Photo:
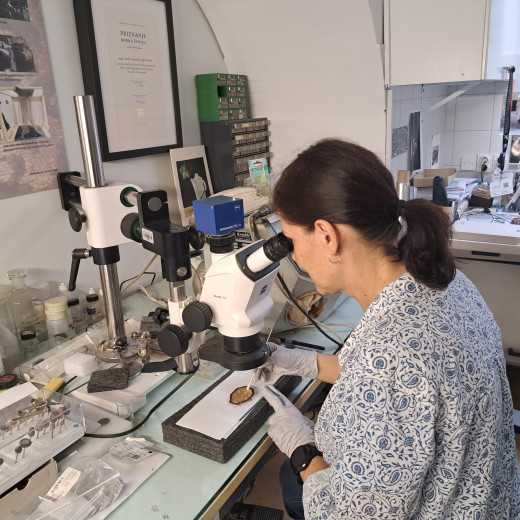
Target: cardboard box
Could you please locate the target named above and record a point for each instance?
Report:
(424, 178)
(19, 503)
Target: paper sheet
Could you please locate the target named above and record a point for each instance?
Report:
(16, 393)
(214, 415)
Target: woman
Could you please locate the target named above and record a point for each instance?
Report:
(418, 423)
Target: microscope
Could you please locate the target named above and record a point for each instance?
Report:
(235, 297)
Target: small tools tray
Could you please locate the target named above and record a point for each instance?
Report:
(221, 450)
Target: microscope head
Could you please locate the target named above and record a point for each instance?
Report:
(236, 289)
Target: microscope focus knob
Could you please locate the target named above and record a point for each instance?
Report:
(173, 340)
(197, 316)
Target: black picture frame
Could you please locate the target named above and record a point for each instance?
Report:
(90, 66)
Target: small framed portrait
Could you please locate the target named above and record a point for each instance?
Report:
(191, 178)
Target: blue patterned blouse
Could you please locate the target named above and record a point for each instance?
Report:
(419, 423)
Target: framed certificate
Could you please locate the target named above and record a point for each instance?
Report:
(128, 62)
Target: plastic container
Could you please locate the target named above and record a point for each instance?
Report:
(57, 321)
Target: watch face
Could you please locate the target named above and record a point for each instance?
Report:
(301, 457)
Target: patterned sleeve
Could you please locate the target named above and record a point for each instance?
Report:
(379, 420)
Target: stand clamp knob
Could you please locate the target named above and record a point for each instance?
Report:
(77, 218)
(197, 316)
(173, 340)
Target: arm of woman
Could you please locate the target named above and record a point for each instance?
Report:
(328, 368)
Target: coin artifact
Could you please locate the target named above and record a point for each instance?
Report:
(241, 395)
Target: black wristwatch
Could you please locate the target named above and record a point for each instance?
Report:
(302, 456)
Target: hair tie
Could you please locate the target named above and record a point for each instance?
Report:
(400, 206)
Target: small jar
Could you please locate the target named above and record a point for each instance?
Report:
(93, 308)
(57, 320)
(77, 315)
(28, 341)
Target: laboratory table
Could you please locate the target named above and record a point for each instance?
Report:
(189, 486)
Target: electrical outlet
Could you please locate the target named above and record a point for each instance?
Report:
(483, 163)
(468, 162)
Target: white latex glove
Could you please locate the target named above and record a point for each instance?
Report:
(284, 361)
(288, 427)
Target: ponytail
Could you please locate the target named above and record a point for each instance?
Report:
(424, 246)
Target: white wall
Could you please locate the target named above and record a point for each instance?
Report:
(34, 230)
(315, 69)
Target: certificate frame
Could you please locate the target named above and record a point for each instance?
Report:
(191, 179)
(128, 62)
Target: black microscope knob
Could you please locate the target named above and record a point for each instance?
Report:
(173, 340)
(197, 316)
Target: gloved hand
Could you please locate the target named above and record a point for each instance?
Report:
(289, 428)
(286, 361)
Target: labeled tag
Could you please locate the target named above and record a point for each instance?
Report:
(147, 235)
(63, 485)
(501, 186)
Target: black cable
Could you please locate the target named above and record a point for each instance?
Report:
(131, 430)
(62, 387)
(291, 297)
(134, 277)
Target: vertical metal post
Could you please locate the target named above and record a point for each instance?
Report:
(89, 140)
(91, 152)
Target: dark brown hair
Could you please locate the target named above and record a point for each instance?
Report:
(344, 183)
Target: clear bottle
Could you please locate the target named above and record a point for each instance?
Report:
(40, 327)
(57, 320)
(21, 299)
(77, 315)
(28, 342)
(93, 307)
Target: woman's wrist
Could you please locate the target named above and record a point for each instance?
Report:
(316, 464)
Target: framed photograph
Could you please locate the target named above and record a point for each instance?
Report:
(128, 61)
(191, 179)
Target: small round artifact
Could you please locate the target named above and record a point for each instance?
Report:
(25, 442)
(241, 395)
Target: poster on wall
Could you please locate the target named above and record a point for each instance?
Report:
(32, 148)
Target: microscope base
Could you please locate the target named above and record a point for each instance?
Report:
(215, 350)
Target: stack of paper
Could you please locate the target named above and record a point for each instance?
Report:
(214, 415)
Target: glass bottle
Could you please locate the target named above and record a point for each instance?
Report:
(93, 308)
(40, 327)
(21, 299)
(29, 342)
(77, 315)
(10, 353)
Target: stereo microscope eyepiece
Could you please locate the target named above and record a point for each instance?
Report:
(278, 247)
(272, 251)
